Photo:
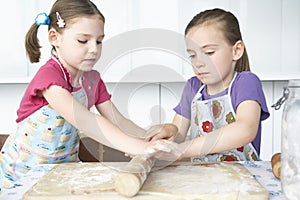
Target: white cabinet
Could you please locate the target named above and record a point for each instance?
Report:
(262, 25)
(137, 101)
(129, 43)
(170, 97)
(15, 24)
(290, 59)
(11, 95)
(270, 29)
(267, 130)
(13, 19)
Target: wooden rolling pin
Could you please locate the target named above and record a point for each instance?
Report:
(275, 161)
(129, 182)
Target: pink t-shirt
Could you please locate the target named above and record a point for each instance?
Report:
(51, 74)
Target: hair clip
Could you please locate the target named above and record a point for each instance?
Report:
(42, 19)
(60, 22)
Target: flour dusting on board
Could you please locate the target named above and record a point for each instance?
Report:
(180, 181)
(212, 180)
(77, 179)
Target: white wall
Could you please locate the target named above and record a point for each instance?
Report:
(270, 29)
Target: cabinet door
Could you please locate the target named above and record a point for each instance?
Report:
(290, 60)
(13, 19)
(153, 14)
(261, 24)
(161, 47)
(16, 23)
(9, 104)
(114, 63)
(170, 97)
(267, 130)
(116, 16)
(137, 101)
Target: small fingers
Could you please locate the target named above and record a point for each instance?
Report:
(158, 137)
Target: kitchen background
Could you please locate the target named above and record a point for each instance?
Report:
(146, 81)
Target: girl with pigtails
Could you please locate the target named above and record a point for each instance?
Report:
(55, 106)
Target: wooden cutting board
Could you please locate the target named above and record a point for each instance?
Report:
(212, 181)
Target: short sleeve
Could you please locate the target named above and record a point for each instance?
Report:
(190, 89)
(102, 94)
(247, 86)
(49, 74)
(45, 78)
(95, 88)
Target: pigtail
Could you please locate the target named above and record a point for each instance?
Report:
(62, 11)
(32, 44)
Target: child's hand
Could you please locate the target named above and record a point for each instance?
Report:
(162, 131)
(165, 150)
(156, 149)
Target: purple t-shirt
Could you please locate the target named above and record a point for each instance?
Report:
(51, 74)
(246, 86)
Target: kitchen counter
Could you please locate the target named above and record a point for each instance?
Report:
(261, 171)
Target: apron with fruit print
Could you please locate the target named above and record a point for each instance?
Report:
(209, 115)
(44, 137)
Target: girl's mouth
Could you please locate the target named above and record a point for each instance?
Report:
(203, 73)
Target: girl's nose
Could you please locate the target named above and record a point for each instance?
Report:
(93, 47)
(198, 65)
(199, 62)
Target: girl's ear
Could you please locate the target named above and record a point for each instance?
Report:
(53, 37)
(238, 50)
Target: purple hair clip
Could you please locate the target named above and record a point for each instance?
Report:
(60, 22)
(42, 19)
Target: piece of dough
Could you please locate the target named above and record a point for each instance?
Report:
(77, 179)
(129, 182)
(93, 181)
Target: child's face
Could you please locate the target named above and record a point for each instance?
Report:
(79, 46)
(211, 56)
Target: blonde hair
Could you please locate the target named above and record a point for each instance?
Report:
(229, 25)
(68, 10)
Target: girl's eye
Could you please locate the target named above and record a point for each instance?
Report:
(99, 42)
(82, 41)
(191, 56)
(209, 53)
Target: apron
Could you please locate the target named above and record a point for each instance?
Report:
(44, 137)
(209, 115)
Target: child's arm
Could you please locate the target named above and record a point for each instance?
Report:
(93, 125)
(110, 112)
(234, 135)
(162, 131)
(182, 125)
